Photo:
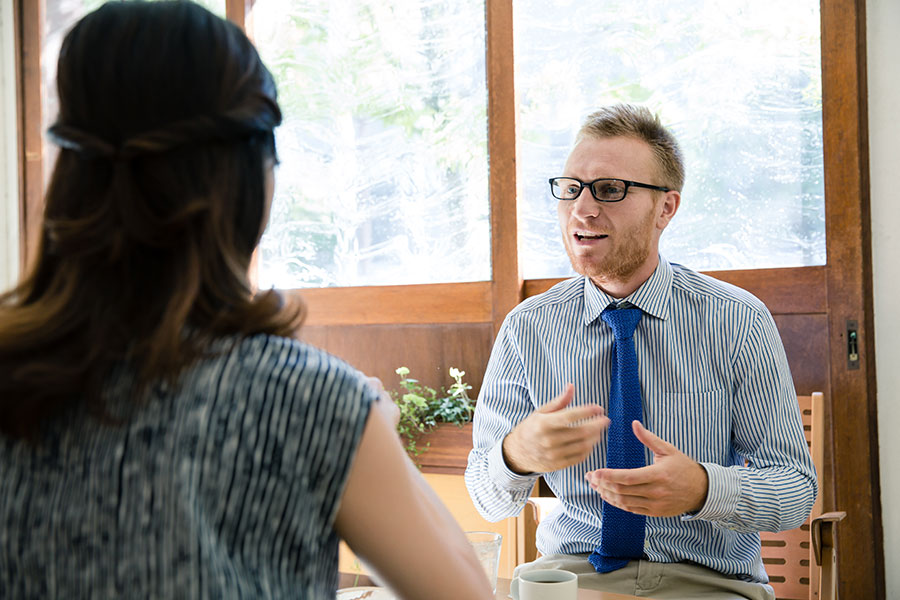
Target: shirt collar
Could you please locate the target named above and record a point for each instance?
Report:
(652, 296)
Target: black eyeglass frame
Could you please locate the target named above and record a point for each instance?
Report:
(590, 185)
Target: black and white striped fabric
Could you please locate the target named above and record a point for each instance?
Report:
(715, 382)
(225, 486)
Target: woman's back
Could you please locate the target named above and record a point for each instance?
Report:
(226, 485)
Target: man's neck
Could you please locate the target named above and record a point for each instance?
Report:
(622, 288)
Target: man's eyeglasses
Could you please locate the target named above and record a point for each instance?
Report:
(603, 190)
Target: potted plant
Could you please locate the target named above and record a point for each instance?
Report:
(435, 426)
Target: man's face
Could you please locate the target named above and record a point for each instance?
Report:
(615, 243)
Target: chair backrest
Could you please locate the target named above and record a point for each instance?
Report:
(536, 508)
(786, 554)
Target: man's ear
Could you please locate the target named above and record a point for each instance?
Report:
(667, 208)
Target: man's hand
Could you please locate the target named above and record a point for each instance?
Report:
(673, 485)
(385, 403)
(554, 437)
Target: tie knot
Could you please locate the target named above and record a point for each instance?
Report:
(622, 320)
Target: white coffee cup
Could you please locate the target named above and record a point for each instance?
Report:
(545, 584)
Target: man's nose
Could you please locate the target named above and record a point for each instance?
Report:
(585, 205)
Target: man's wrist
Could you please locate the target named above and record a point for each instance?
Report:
(503, 476)
(702, 488)
(723, 493)
(508, 457)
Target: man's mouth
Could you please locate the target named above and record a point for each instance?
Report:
(584, 235)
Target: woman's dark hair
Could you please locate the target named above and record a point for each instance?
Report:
(155, 206)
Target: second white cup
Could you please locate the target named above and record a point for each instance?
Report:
(545, 584)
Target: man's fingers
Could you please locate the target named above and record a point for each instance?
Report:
(588, 431)
(584, 422)
(574, 415)
(639, 490)
(574, 444)
(561, 401)
(639, 476)
(570, 445)
(633, 505)
(657, 445)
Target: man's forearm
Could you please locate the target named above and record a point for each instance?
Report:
(496, 491)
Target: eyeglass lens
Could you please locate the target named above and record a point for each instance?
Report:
(605, 190)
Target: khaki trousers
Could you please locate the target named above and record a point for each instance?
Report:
(660, 581)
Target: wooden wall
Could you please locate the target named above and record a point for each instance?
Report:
(428, 350)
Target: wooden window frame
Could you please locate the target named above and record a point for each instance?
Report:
(841, 290)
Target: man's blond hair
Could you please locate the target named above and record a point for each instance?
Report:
(629, 120)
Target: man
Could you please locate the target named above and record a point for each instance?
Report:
(703, 447)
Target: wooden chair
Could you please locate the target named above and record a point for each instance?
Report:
(801, 563)
(536, 508)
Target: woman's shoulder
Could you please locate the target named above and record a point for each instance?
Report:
(276, 356)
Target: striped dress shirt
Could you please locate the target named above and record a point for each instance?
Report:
(226, 486)
(715, 382)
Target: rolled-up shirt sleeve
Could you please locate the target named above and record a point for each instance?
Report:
(504, 400)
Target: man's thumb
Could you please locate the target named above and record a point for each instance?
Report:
(561, 401)
(657, 445)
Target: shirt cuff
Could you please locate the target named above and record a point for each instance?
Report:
(503, 476)
(722, 495)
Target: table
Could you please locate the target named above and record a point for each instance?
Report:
(351, 580)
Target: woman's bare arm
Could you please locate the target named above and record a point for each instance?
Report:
(393, 520)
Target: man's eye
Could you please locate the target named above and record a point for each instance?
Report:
(610, 190)
(571, 190)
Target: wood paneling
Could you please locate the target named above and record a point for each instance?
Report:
(849, 279)
(506, 291)
(28, 26)
(428, 350)
(20, 96)
(436, 303)
(240, 12)
(447, 451)
(796, 290)
(805, 339)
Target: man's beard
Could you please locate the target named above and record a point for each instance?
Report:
(625, 257)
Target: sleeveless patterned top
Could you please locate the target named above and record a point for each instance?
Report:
(224, 486)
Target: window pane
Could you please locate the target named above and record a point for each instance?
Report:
(738, 82)
(383, 150)
(59, 17)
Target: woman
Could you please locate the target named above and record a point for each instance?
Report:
(163, 435)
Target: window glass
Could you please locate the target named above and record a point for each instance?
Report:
(383, 149)
(59, 17)
(738, 82)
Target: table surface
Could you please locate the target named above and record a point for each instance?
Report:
(350, 580)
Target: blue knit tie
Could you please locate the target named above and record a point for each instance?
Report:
(622, 532)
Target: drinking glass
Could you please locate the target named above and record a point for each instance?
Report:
(487, 549)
